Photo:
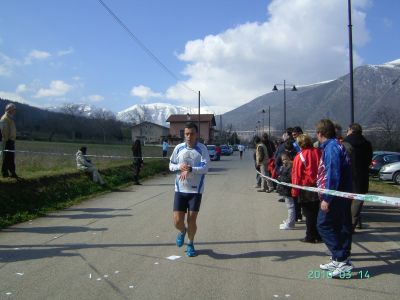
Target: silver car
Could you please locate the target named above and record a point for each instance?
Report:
(390, 172)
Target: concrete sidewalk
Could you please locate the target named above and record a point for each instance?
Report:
(122, 246)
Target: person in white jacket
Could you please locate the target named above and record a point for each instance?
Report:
(190, 160)
(83, 163)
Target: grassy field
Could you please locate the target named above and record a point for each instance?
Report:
(30, 165)
(387, 188)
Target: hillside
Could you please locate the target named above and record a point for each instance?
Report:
(375, 88)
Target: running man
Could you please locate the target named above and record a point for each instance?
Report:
(190, 160)
(241, 149)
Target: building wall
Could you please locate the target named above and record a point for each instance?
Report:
(175, 130)
(149, 133)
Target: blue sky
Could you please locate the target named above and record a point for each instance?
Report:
(54, 52)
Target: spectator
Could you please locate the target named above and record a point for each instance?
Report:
(165, 147)
(291, 151)
(334, 216)
(296, 132)
(137, 161)
(338, 132)
(262, 156)
(304, 173)
(285, 191)
(9, 134)
(83, 163)
(281, 149)
(360, 151)
(256, 141)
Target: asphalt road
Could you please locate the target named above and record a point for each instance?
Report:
(116, 246)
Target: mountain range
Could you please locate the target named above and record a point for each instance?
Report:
(376, 89)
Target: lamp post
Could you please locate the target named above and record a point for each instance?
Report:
(259, 127)
(269, 120)
(351, 64)
(294, 89)
(263, 112)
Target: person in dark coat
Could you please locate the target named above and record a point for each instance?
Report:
(360, 151)
(137, 160)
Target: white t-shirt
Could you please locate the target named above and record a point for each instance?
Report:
(196, 157)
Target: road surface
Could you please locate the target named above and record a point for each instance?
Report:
(122, 246)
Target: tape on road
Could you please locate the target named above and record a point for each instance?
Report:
(371, 198)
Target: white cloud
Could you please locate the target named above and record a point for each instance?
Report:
(57, 88)
(95, 98)
(7, 65)
(36, 55)
(70, 50)
(22, 88)
(144, 92)
(302, 41)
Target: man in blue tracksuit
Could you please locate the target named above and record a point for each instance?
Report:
(334, 217)
(190, 160)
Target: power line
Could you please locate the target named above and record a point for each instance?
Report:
(143, 46)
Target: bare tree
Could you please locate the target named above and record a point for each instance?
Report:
(387, 121)
(104, 120)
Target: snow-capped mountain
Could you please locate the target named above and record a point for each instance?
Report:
(82, 110)
(156, 113)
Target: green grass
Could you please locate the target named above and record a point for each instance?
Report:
(30, 198)
(52, 182)
(30, 165)
(387, 188)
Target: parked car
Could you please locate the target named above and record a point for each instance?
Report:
(235, 147)
(226, 150)
(390, 172)
(212, 151)
(381, 158)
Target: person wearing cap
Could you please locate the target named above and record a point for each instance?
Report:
(9, 134)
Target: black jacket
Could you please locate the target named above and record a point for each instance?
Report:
(285, 176)
(360, 151)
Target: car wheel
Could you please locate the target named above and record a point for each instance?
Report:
(396, 178)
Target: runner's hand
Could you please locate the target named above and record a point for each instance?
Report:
(184, 168)
(183, 175)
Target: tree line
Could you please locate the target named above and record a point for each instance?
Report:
(69, 124)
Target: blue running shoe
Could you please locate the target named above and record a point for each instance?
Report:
(180, 239)
(190, 251)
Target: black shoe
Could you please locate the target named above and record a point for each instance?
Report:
(15, 176)
(319, 241)
(6, 175)
(306, 240)
(281, 200)
(137, 183)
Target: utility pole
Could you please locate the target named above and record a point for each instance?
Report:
(199, 118)
(351, 65)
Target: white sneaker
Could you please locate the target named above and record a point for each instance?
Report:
(343, 271)
(333, 265)
(285, 226)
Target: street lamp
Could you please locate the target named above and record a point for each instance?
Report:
(294, 89)
(259, 126)
(269, 120)
(263, 112)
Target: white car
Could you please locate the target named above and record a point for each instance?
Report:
(390, 172)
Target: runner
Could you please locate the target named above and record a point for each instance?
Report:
(241, 149)
(190, 159)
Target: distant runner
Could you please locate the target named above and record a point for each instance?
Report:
(241, 149)
(190, 160)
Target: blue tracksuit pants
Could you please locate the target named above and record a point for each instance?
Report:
(335, 228)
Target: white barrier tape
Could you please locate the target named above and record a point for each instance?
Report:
(72, 154)
(372, 198)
